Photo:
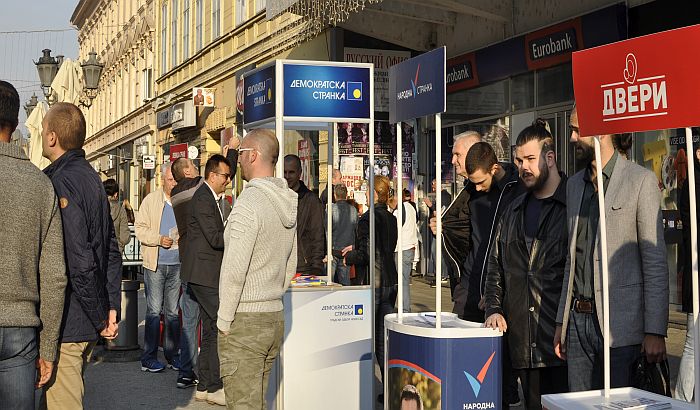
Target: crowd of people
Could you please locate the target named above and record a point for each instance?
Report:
(520, 245)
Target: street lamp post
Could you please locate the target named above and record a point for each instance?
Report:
(30, 105)
(48, 66)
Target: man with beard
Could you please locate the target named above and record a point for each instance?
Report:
(638, 286)
(526, 267)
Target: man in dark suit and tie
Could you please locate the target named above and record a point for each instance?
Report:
(205, 250)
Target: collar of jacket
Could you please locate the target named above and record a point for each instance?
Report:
(64, 159)
(511, 175)
(12, 150)
(303, 189)
(559, 194)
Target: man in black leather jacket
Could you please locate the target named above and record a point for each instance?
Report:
(526, 268)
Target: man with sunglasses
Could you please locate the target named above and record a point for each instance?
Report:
(201, 266)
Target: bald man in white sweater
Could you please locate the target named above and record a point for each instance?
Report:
(260, 258)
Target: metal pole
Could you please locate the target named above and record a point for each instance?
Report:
(438, 217)
(604, 263)
(332, 134)
(693, 253)
(399, 217)
(279, 112)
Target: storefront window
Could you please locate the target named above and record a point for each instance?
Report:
(523, 91)
(555, 85)
(487, 100)
(664, 154)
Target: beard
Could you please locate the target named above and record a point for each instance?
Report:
(539, 180)
(583, 152)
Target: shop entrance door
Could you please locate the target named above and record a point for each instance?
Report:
(558, 120)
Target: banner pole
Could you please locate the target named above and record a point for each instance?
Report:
(399, 217)
(438, 217)
(332, 138)
(604, 260)
(693, 254)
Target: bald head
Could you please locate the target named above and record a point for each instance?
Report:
(265, 142)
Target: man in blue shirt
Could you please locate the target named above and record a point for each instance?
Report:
(156, 229)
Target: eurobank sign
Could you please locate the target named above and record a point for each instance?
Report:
(417, 86)
(326, 91)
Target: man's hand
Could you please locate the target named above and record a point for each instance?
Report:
(233, 143)
(496, 321)
(345, 252)
(559, 348)
(654, 346)
(111, 331)
(428, 202)
(44, 370)
(112, 317)
(165, 242)
(433, 225)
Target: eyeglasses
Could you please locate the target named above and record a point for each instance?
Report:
(227, 176)
(246, 149)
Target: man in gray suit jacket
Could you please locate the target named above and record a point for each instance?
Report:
(637, 269)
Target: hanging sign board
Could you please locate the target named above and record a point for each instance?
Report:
(149, 162)
(646, 83)
(178, 151)
(259, 97)
(417, 87)
(325, 91)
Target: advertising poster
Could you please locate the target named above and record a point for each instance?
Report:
(203, 96)
(178, 151)
(440, 379)
(259, 95)
(226, 135)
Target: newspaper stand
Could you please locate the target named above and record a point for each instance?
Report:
(605, 107)
(328, 352)
(427, 350)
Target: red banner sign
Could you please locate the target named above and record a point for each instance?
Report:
(178, 151)
(641, 84)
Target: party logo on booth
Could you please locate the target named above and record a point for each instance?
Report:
(476, 382)
(359, 310)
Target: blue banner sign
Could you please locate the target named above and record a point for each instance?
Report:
(259, 97)
(417, 87)
(323, 91)
(470, 379)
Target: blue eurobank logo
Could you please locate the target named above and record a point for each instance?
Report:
(359, 310)
(326, 91)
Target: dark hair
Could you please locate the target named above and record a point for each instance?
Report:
(9, 106)
(178, 168)
(406, 194)
(111, 187)
(410, 392)
(68, 122)
(622, 143)
(295, 159)
(340, 191)
(213, 164)
(480, 156)
(538, 131)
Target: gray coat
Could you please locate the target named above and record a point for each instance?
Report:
(638, 268)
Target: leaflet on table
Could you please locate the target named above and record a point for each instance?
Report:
(301, 281)
(641, 403)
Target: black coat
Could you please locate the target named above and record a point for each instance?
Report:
(385, 238)
(205, 240)
(92, 253)
(311, 234)
(524, 285)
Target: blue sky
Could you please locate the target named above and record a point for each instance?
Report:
(17, 50)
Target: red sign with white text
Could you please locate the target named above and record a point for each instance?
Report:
(641, 84)
(178, 151)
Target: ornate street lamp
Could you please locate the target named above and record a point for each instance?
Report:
(47, 67)
(92, 70)
(30, 105)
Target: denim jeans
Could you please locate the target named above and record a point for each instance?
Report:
(162, 293)
(188, 338)
(407, 264)
(341, 272)
(585, 355)
(18, 353)
(685, 386)
(384, 301)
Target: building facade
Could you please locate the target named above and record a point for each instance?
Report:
(121, 120)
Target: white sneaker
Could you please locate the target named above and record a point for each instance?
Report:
(200, 395)
(218, 398)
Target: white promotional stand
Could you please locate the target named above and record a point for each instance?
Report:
(680, 82)
(327, 355)
(452, 363)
